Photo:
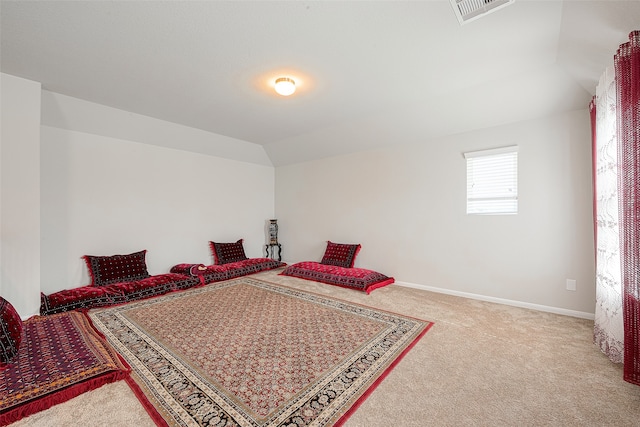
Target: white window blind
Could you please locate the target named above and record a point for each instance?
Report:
(492, 181)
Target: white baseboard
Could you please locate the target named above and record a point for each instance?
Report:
(548, 309)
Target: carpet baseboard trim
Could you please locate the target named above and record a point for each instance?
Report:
(538, 307)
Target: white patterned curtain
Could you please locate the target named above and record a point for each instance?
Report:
(609, 325)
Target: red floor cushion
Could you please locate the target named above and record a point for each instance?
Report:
(251, 266)
(219, 272)
(61, 356)
(354, 278)
(87, 297)
(79, 298)
(155, 285)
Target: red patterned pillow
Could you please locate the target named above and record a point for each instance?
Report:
(10, 331)
(340, 254)
(224, 253)
(105, 270)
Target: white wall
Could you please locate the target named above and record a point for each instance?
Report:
(20, 195)
(66, 112)
(406, 206)
(66, 193)
(104, 196)
(113, 184)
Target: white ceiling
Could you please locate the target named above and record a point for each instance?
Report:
(369, 73)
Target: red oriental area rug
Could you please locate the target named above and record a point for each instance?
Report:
(246, 352)
(60, 357)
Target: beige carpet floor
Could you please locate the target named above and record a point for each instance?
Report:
(481, 364)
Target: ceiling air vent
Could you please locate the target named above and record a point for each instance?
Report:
(468, 10)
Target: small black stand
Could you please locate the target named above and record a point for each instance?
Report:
(269, 250)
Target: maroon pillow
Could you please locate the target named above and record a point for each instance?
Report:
(340, 254)
(224, 253)
(105, 270)
(10, 331)
(197, 270)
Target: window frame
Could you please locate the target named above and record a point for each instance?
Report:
(497, 203)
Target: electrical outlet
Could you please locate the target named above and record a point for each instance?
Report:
(571, 284)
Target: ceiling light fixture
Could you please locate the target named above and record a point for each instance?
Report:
(285, 86)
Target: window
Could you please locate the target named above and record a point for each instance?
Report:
(492, 181)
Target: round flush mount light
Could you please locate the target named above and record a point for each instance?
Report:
(285, 86)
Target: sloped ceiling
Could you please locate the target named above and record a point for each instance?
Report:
(369, 74)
